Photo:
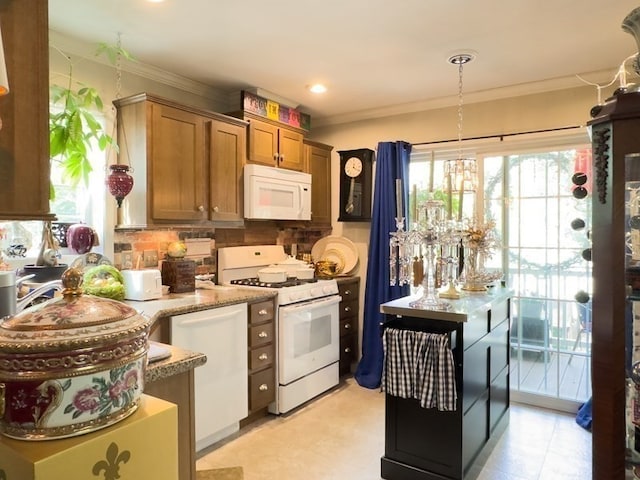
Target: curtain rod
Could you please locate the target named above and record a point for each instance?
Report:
(501, 136)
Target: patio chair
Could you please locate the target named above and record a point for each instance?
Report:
(532, 317)
(584, 317)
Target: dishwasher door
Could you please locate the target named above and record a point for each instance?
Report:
(221, 398)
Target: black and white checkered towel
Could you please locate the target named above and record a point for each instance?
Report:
(419, 365)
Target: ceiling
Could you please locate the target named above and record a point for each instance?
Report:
(377, 57)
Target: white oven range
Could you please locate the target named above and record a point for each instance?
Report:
(307, 324)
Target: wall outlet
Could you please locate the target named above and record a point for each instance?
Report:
(151, 258)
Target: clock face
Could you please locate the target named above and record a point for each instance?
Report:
(353, 167)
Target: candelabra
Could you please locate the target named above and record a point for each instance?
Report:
(427, 234)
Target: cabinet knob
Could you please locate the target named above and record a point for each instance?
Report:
(281, 158)
(263, 312)
(263, 334)
(347, 350)
(347, 292)
(263, 357)
(264, 387)
(201, 208)
(216, 209)
(347, 326)
(347, 308)
(275, 157)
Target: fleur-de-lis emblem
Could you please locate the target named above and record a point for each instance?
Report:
(111, 466)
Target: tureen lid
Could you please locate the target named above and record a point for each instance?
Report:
(73, 310)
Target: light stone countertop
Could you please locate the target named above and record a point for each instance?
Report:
(201, 299)
(180, 361)
(471, 303)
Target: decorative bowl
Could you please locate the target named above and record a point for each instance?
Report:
(70, 365)
(326, 268)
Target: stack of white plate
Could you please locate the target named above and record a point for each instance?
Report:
(337, 249)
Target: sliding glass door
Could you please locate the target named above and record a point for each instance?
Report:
(546, 260)
(545, 256)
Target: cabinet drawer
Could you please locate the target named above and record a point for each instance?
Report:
(348, 309)
(498, 314)
(475, 429)
(348, 326)
(261, 357)
(499, 396)
(348, 290)
(260, 312)
(262, 389)
(476, 327)
(348, 345)
(261, 335)
(475, 373)
(499, 341)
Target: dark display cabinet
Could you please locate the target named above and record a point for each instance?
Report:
(615, 139)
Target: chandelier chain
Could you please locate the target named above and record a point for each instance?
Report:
(460, 109)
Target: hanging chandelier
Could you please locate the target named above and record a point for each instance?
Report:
(461, 173)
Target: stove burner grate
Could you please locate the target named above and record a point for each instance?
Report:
(255, 282)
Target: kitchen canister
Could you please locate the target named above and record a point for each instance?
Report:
(70, 365)
(8, 294)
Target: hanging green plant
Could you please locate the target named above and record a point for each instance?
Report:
(73, 126)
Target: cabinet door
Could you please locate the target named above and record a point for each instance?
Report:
(227, 156)
(24, 136)
(318, 164)
(290, 150)
(263, 143)
(176, 182)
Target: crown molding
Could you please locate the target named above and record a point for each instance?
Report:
(529, 88)
(74, 46)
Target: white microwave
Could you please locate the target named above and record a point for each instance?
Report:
(276, 193)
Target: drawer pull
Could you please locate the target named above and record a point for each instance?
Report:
(201, 208)
(263, 357)
(347, 326)
(264, 387)
(263, 312)
(263, 334)
(347, 308)
(347, 350)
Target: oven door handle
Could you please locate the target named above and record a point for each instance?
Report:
(321, 302)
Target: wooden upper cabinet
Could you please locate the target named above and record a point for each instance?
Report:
(275, 146)
(227, 158)
(176, 182)
(24, 131)
(187, 162)
(317, 159)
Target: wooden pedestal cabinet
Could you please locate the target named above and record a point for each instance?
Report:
(349, 289)
(261, 351)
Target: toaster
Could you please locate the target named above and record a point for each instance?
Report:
(142, 284)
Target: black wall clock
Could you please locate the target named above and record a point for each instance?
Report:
(356, 182)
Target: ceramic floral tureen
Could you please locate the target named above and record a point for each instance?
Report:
(70, 365)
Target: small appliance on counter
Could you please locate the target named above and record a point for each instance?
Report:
(179, 274)
(142, 284)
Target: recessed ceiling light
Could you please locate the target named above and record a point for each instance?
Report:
(317, 88)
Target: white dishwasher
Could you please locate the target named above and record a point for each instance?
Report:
(221, 389)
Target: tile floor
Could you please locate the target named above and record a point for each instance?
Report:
(340, 436)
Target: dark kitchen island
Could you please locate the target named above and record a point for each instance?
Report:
(430, 444)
